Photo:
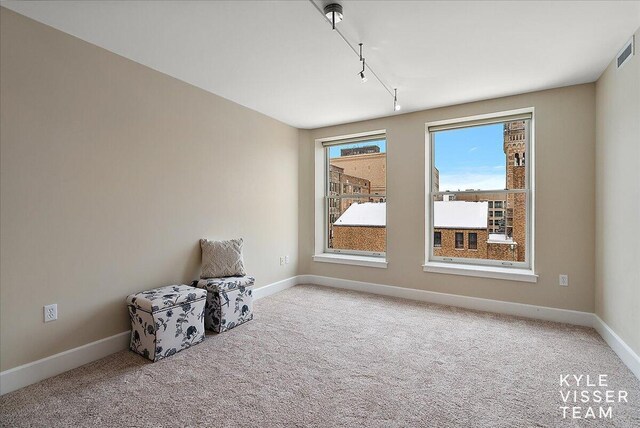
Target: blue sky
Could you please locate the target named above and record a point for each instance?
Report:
(471, 158)
(334, 151)
(467, 158)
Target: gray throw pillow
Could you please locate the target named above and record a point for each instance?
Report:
(222, 258)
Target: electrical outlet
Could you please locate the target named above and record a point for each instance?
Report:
(50, 312)
(564, 280)
(281, 260)
(286, 260)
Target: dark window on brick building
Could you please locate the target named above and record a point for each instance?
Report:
(473, 241)
(437, 239)
(459, 240)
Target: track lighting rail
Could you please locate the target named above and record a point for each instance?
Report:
(365, 66)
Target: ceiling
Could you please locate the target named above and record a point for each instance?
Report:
(282, 59)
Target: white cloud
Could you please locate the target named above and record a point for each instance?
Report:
(466, 181)
(473, 149)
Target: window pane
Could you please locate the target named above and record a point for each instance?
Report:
(501, 237)
(356, 200)
(357, 223)
(360, 166)
(485, 157)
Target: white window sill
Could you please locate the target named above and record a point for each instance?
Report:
(349, 259)
(496, 272)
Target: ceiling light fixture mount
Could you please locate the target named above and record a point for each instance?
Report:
(333, 12)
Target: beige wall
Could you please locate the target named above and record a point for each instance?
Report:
(565, 210)
(110, 173)
(618, 199)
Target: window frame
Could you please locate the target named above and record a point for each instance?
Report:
(325, 144)
(466, 266)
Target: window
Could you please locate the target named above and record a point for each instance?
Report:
(356, 215)
(477, 172)
(459, 240)
(473, 241)
(437, 239)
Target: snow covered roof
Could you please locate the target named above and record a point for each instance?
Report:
(499, 238)
(447, 214)
(365, 214)
(460, 214)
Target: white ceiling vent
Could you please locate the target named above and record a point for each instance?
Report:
(625, 53)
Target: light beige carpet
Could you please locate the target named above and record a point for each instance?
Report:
(316, 356)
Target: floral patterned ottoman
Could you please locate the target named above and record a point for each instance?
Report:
(229, 301)
(166, 320)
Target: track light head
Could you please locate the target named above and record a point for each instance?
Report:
(396, 106)
(363, 78)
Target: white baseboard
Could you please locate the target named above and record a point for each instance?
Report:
(275, 287)
(626, 354)
(33, 372)
(21, 376)
(476, 303)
